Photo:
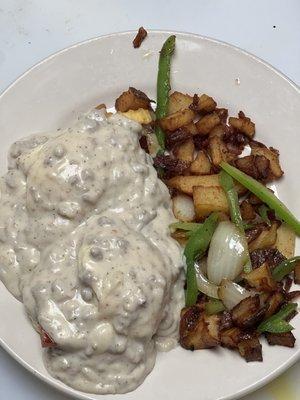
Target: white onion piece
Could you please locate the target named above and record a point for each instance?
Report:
(232, 294)
(227, 253)
(203, 283)
(183, 208)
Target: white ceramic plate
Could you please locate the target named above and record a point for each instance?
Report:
(52, 94)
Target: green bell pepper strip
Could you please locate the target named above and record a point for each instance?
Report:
(163, 85)
(263, 194)
(285, 268)
(227, 184)
(214, 306)
(263, 212)
(277, 323)
(184, 226)
(196, 247)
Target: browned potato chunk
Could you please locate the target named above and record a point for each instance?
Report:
(208, 199)
(247, 312)
(243, 124)
(250, 349)
(218, 151)
(267, 238)
(179, 101)
(261, 279)
(256, 166)
(203, 103)
(185, 151)
(217, 131)
(177, 120)
(286, 339)
(285, 241)
(198, 331)
(273, 302)
(258, 149)
(191, 128)
(132, 99)
(185, 183)
(247, 211)
(207, 123)
(201, 165)
(230, 338)
(141, 115)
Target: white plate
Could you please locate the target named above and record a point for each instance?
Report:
(52, 94)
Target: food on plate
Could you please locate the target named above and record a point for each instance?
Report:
(140, 37)
(89, 240)
(85, 245)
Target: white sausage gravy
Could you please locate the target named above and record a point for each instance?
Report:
(85, 245)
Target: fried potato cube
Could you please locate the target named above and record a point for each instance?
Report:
(191, 128)
(141, 115)
(185, 183)
(132, 99)
(247, 312)
(218, 151)
(208, 199)
(207, 123)
(179, 101)
(177, 120)
(258, 149)
(201, 165)
(197, 330)
(185, 151)
(267, 238)
(247, 211)
(285, 241)
(250, 349)
(243, 124)
(230, 338)
(261, 278)
(273, 302)
(203, 103)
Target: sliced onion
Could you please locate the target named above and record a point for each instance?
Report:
(232, 294)
(183, 208)
(227, 253)
(203, 283)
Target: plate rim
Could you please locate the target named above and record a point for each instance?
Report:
(60, 386)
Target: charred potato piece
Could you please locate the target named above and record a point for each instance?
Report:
(248, 312)
(250, 349)
(218, 130)
(218, 150)
(281, 339)
(185, 151)
(186, 183)
(256, 166)
(285, 241)
(141, 115)
(259, 149)
(203, 103)
(261, 279)
(179, 101)
(247, 211)
(267, 238)
(273, 302)
(230, 338)
(132, 99)
(243, 124)
(191, 128)
(201, 165)
(198, 331)
(177, 120)
(207, 123)
(208, 199)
